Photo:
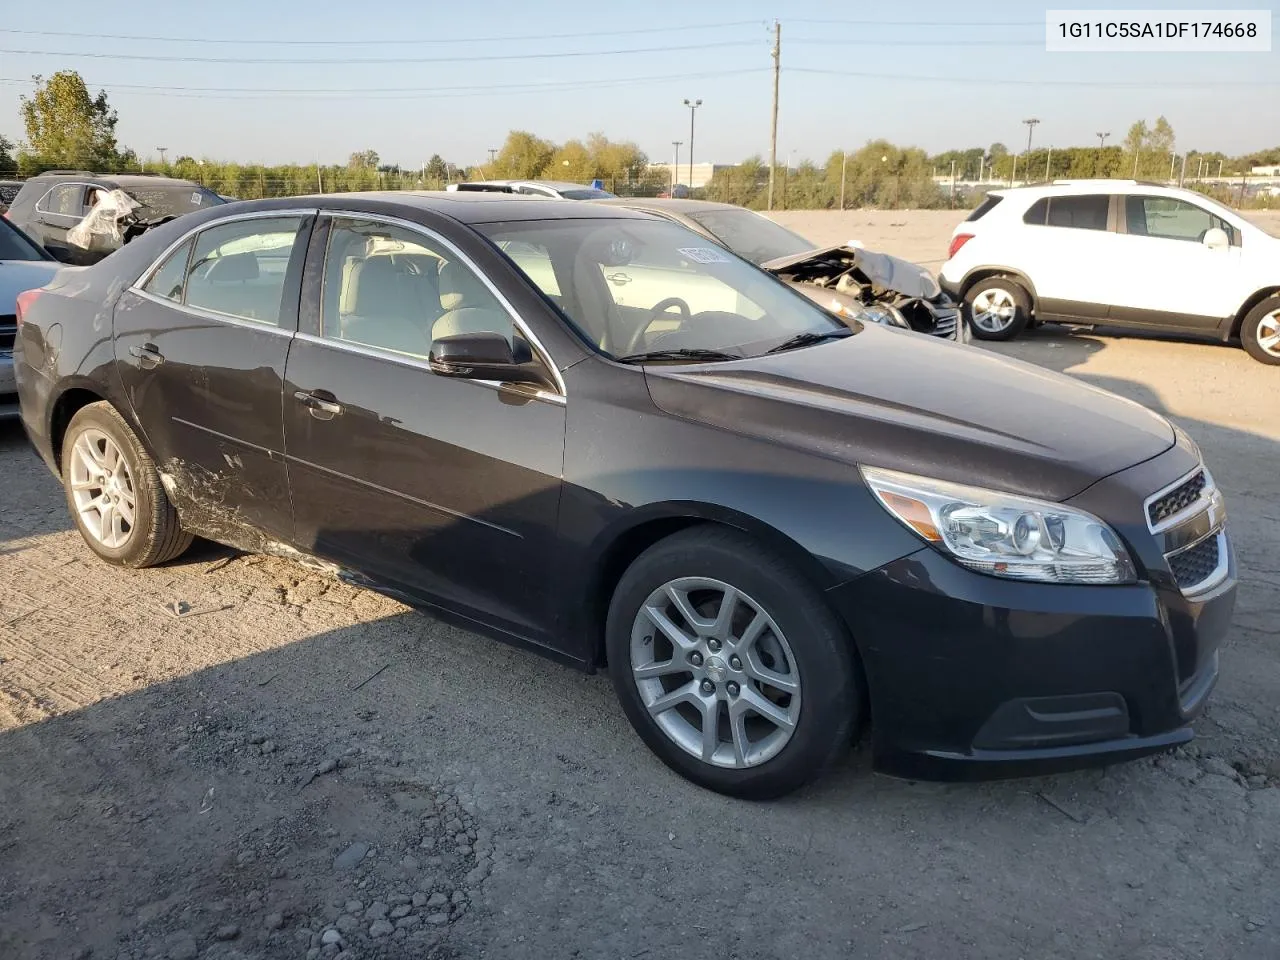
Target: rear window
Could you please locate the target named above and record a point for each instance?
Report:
(174, 201)
(1087, 212)
(985, 207)
(586, 193)
(14, 244)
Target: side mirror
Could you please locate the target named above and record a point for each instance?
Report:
(485, 356)
(1216, 238)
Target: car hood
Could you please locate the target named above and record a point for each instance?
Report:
(19, 275)
(888, 398)
(880, 269)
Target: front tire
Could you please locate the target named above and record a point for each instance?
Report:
(1260, 332)
(114, 492)
(730, 666)
(997, 308)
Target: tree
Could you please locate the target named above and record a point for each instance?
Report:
(66, 127)
(523, 156)
(573, 162)
(437, 169)
(363, 160)
(8, 166)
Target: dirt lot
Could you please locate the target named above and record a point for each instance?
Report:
(301, 769)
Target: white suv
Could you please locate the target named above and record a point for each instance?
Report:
(1118, 253)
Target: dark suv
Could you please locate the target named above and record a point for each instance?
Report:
(52, 203)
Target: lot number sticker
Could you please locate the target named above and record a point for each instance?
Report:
(704, 254)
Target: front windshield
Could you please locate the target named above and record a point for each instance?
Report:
(750, 235)
(639, 286)
(586, 193)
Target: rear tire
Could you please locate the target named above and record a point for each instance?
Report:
(1260, 332)
(775, 673)
(114, 492)
(996, 308)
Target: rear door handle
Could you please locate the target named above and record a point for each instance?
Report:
(148, 355)
(618, 278)
(318, 406)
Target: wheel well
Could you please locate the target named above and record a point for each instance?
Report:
(1249, 304)
(986, 273)
(621, 554)
(66, 407)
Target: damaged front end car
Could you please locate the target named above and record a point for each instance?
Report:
(858, 284)
(114, 219)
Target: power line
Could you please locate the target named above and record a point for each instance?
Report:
(839, 42)
(401, 41)
(1003, 81)
(380, 93)
(349, 61)
(917, 23)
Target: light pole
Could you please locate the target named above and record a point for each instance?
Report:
(844, 157)
(1102, 140)
(163, 151)
(1031, 125)
(675, 166)
(693, 105)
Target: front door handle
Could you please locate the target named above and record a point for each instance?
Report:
(148, 355)
(318, 406)
(618, 278)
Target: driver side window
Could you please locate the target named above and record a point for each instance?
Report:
(1169, 219)
(394, 289)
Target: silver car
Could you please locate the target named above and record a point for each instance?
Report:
(23, 266)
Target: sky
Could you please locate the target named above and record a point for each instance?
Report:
(435, 79)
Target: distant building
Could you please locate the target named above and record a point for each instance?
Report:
(702, 172)
(1271, 171)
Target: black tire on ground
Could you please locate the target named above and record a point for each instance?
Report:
(1001, 288)
(156, 536)
(1262, 321)
(831, 699)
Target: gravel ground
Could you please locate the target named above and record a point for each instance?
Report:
(300, 769)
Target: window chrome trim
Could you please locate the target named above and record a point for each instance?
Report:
(145, 277)
(413, 362)
(470, 264)
(262, 326)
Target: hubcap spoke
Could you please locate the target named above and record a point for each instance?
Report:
(686, 693)
(766, 708)
(738, 728)
(710, 729)
(1269, 333)
(102, 488)
(723, 626)
(678, 637)
(781, 682)
(662, 668)
(680, 598)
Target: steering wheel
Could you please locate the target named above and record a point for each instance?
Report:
(658, 310)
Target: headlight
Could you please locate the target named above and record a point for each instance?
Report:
(883, 313)
(1002, 534)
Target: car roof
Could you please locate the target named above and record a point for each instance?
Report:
(553, 184)
(123, 180)
(1063, 188)
(463, 207)
(674, 204)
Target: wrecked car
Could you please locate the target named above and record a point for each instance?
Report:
(851, 282)
(81, 217)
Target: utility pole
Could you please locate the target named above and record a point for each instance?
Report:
(1047, 164)
(953, 185)
(675, 167)
(844, 157)
(982, 163)
(693, 106)
(319, 178)
(1182, 175)
(1014, 175)
(1102, 140)
(773, 127)
(492, 153)
(1031, 125)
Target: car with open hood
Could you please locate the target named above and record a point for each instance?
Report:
(81, 217)
(769, 526)
(848, 280)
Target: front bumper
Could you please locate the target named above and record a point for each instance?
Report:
(975, 677)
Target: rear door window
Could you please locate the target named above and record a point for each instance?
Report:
(65, 200)
(238, 269)
(1085, 212)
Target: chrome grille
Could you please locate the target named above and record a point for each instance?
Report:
(1176, 500)
(8, 331)
(1196, 564)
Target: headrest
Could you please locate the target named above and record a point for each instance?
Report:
(237, 266)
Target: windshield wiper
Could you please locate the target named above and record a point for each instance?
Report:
(808, 338)
(682, 354)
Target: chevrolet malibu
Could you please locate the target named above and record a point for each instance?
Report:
(773, 530)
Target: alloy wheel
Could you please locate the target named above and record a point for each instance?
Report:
(715, 672)
(1268, 334)
(103, 489)
(993, 310)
